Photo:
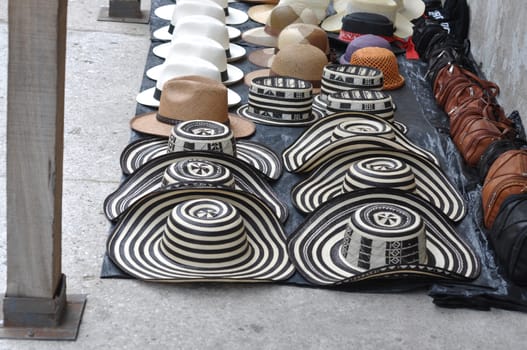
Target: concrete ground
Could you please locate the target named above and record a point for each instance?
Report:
(104, 70)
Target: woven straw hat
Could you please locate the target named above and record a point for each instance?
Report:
(186, 47)
(279, 18)
(201, 135)
(379, 233)
(382, 59)
(153, 174)
(205, 26)
(200, 234)
(296, 33)
(190, 98)
(232, 15)
(261, 13)
(301, 61)
(188, 8)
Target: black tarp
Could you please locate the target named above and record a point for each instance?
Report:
(428, 127)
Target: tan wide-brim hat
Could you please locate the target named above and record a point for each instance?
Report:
(260, 13)
(296, 33)
(190, 98)
(302, 61)
(280, 17)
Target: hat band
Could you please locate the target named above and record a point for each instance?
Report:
(285, 105)
(284, 94)
(224, 75)
(364, 107)
(350, 36)
(171, 28)
(278, 114)
(172, 121)
(157, 94)
(339, 79)
(315, 83)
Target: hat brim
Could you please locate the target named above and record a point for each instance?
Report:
(243, 110)
(261, 73)
(147, 123)
(148, 178)
(314, 145)
(237, 52)
(403, 26)
(263, 57)
(326, 181)
(258, 156)
(236, 16)
(134, 246)
(333, 23)
(260, 13)
(146, 98)
(395, 84)
(314, 246)
(165, 12)
(163, 33)
(234, 74)
(258, 36)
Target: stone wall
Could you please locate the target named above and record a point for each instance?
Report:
(499, 44)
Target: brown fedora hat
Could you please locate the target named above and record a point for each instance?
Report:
(190, 98)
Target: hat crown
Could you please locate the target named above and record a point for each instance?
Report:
(382, 59)
(179, 68)
(283, 15)
(203, 26)
(378, 235)
(202, 135)
(363, 127)
(379, 172)
(188, 47)
(192, 97)
(196, 171)
(300, 61)
(189, 8)
(204, 233)
(387, 8)
(304, 33)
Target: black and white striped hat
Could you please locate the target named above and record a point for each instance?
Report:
(342, 132)
(379, 168)
(201, 135)
(278, 100)
(149, 178)
(377, 234)
(342, 77)
(367, 101)
(200, 234)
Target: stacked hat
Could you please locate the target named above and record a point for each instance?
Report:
(279, 18)
(366, 40)
(383, 60)
(197, 168)
(301, 61)
(357, 24)
(188, 8)
(205, 26)
(232, 15)
(342, 77)
(296, 33)
(368, 168)
(261, 13)
(201, 135)
(280, 100)
(184, 48)
(360, 100)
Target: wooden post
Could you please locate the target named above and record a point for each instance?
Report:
(36, 288)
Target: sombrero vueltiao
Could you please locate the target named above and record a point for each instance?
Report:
(342, 132)
(149, 178)
(379, 168)
(377, 234)
(200, 234)
(201, 135)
